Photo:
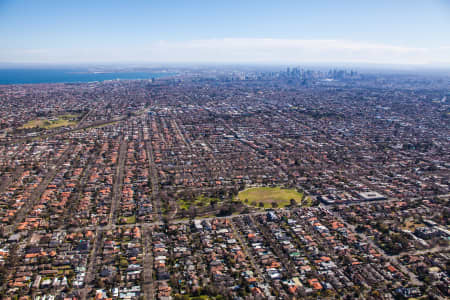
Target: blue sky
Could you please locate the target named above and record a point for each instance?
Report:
(394, 31)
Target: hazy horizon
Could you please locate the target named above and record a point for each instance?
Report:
(127, 66)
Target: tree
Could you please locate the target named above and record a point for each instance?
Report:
(100, 284)
(183, 212)
(123, 263)
(192, 212)
(213, 203)
(360, 228)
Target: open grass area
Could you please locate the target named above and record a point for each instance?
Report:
(269, 195)
(131, 219)
(128, 220)
(60, 121)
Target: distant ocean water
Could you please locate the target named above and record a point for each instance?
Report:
(23, 76)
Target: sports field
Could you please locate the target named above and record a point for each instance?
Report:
(269, 195)
(60, 121)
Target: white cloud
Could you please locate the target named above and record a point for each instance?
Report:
(240, 50)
